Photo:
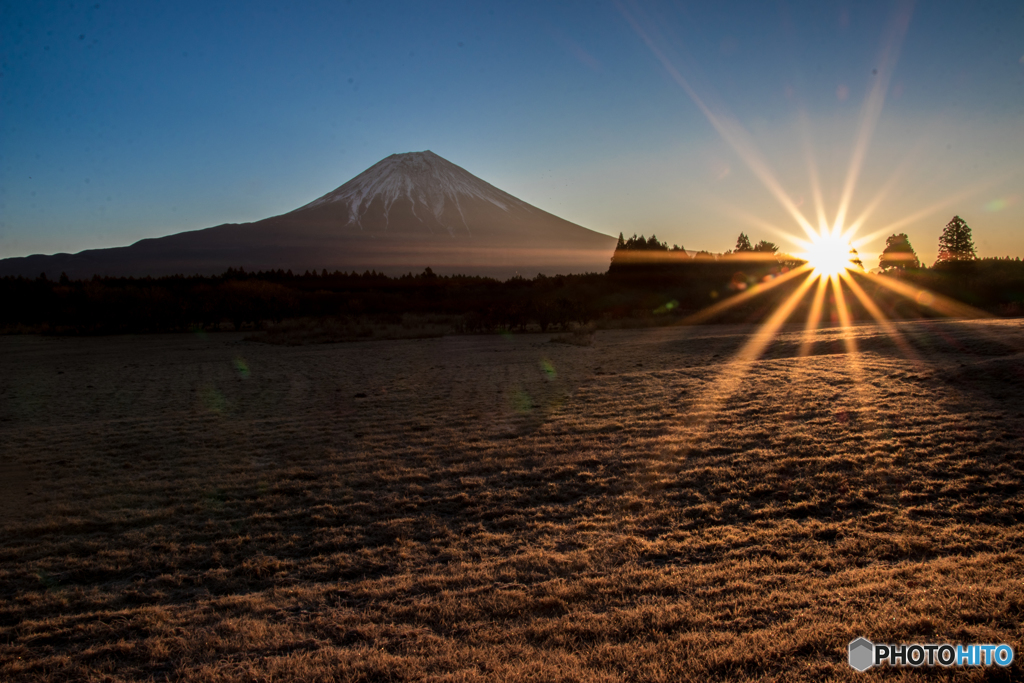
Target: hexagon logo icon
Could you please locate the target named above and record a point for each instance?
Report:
(861, 653)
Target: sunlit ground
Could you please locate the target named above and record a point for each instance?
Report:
(479, 508)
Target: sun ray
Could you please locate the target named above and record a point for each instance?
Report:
(757, 343)
(875, 312)
(931, 300)
(812, 169)
(727, 127)
(850, 342)
(813, 318)
(726, 384)
(872, 108)
(949, 201)
(888, 186)
(746, 295)
(842, 311)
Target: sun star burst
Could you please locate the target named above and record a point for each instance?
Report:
(828, 253)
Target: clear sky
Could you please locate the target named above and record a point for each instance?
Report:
(694, 121)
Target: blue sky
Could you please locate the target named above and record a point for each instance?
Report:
(126, 120)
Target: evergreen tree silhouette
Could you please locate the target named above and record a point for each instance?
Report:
(956, 243)
(898, 255)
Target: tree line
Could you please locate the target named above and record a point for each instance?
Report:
(646, 279)
(956, 248)
(993, 284)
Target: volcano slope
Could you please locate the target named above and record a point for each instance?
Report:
(474, 508)
(403, 214)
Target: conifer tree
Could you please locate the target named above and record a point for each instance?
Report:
(653, 244)
(743, 243)
(898, 254)
(956, 244)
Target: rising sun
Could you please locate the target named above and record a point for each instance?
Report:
(828, 253)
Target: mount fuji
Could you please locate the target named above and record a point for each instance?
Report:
(404, 213)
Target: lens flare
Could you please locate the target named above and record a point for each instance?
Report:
(1000, 203)
(242, 367)
(549, 369)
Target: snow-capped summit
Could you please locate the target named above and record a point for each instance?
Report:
(432, 185)
(404, 213)
(428, 190)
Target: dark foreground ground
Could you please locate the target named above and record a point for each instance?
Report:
(202, 508)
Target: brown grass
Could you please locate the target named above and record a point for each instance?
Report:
(497, 508)
(581, 335)
(302, 331)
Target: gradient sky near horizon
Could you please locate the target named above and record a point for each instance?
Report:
(126, 120)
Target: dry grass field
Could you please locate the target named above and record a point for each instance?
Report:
(640, 507)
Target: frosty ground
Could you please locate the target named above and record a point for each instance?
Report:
(201, 508)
